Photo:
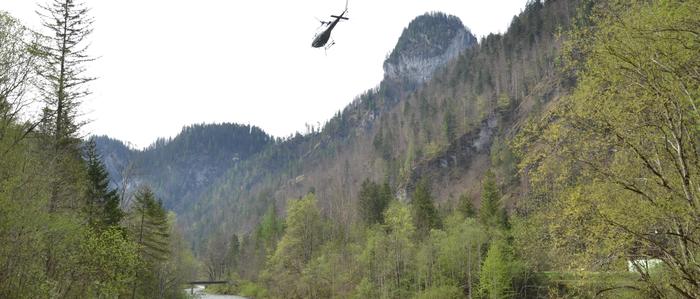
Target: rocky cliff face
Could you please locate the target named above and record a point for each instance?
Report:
(429, 42)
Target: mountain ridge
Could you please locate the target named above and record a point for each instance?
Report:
(446, 130)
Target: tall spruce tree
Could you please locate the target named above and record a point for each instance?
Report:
(465, 206)
(491, 213)
(150, 230)
(425, 215)
(65, 56)
(102, 203)
(63, 85)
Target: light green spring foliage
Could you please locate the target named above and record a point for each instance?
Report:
(296, 248)
(452, 257)
(443, 292)
(618, 167)
(499, 271)
(110, 262)
(270, 229)
(386, 260)
(387, 255)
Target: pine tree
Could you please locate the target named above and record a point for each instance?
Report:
(490, 213)
(466, 207)
(373, 200)
(152, 227)
(425, 215)
(150, 230)
(102, 203)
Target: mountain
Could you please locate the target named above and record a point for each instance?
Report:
(182, 168)
(448, 130)
(429, 42)
(442, 113)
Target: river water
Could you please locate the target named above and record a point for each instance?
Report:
(198, 292)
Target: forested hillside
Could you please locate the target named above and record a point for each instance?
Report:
(559, 159)
(180, 169)
(442, 132)
(64, 231)
(555, 160)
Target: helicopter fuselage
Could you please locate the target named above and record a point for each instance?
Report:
(322, 38)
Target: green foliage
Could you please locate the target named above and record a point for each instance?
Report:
(181, 169)
(504, 162)
(109, 261)
(150, 225)
(446, 292)
(301, 240)
(500, 271)
(491, 212)
(151, 232)
(504, 102)
(64, 54)
(373, 201)
(270, 228)
(18, 60)
(252, 290)
(102, 206)
(452, 257)
(466, 206)
(612, 164)
(386, 258)
(425, 214)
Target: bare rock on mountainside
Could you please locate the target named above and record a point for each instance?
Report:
(429, 42)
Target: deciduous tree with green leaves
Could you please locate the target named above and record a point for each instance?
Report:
(623, 148)
(301, 240)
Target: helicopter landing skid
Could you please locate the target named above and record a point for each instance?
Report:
(328, 46)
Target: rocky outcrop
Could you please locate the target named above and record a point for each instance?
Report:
(428, 43)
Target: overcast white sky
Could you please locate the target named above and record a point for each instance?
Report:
(164, 64)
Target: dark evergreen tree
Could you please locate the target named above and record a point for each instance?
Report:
(425, 214)
(491, 212)
(466, 207)
(102, 203)
(373, 200)
(150, 230)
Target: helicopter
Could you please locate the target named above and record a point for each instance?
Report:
(321, 38)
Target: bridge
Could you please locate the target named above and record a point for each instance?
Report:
(208, 282)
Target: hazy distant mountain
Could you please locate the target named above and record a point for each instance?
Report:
(181, 168)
